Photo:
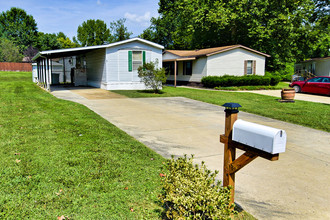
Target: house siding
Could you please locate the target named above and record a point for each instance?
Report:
(199, 69)
(117, 74)
(169, 56)
(232, 63)
(322, 68)
(96, 67)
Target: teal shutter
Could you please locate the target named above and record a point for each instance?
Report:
(144, 57)
(130, 62)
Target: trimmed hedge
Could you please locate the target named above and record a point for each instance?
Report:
(226, 81)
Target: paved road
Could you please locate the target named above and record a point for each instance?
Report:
(294, 187)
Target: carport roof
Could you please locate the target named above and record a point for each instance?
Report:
(75, 51)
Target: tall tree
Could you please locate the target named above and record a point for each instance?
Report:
(9, 52)
(93, 32)
(279, 28)
(118, 31)
(19, 27)
(47, 41)
(66, 43)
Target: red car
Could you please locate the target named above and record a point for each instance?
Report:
(318, 85)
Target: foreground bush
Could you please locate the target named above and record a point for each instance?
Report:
(226, 81)
(192, 192)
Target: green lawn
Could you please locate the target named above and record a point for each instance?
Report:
(314, 115)
(59, 158)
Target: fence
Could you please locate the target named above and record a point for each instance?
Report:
(20, 67)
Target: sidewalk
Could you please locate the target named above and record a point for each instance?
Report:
(294, 187)
(298, 96)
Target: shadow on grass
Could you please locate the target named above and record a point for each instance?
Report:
(151, 92)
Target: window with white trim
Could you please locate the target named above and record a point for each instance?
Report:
(135, 59)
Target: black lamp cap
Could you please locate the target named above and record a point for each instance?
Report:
(231, 107)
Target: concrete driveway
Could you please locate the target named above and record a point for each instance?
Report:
(294, 187)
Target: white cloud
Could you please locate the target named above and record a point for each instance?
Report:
(143, 19)
(99, 2)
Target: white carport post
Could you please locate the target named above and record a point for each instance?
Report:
(38, 71)
(48, 72)
(175, 64)
(45, 74)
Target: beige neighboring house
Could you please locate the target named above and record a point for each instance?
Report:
(191, 65)
(315, 66)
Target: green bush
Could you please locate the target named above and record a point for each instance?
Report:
(285, 73)
(226, 81)
(190, 192)
(152, 76)
(274, 80)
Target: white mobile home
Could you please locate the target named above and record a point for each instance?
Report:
(111, 67)
(192, 65)
(315, 66)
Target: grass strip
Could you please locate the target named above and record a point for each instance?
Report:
(59, 158)
(309, 114)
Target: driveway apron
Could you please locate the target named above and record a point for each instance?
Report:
(294, 187)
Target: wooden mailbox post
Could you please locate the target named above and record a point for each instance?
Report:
(231, 164)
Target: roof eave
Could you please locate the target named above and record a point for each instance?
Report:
(49, 52)
(238, 46)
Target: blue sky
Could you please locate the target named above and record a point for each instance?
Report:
(53, 16)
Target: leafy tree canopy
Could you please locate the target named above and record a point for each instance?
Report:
(9, 52)
(284, 29)
(66, 43)
(19, 27)
(93, 32)
(118, 31)
(47, 42)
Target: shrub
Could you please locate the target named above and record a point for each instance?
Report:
(190, 192)
(226, 81)
(152, 77)
(274, 80)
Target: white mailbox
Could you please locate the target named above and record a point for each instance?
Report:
(262, 137)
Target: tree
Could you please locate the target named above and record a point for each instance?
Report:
(19, 27)
(282, 29)
(9, 52)
(47, 41)
(61, 35)
(118, 31)
(93, 32)
(152, 76)
(29, 53)
(66, 43)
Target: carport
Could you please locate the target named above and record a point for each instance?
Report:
(46, 74)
